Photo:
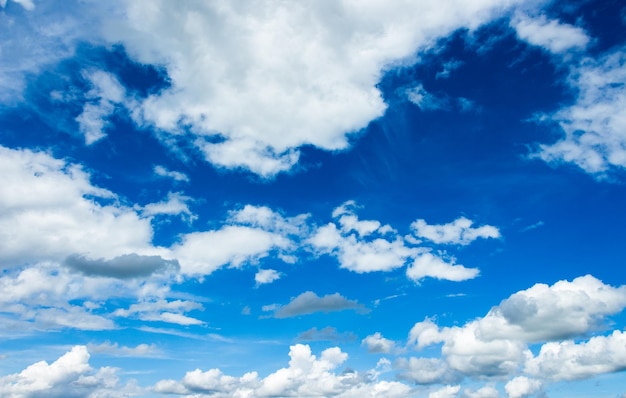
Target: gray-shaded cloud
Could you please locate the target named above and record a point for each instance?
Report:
(122, 267)
(309, 303)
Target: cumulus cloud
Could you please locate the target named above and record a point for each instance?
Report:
(594, 126)
(459, 232)
(567, 360)
(552, 35)
(497, 344)
(309, 303)
(445, 392)
(368, 245)
(302, 74)
(46, 213)
(307, 375)
(124, 266)
(376, 343)
(360, 245)
(328, 333)
(68, 376)
(424, 370)
(429, 265)
(264, 276)
(522, 386)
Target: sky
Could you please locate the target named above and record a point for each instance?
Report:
(317, 198)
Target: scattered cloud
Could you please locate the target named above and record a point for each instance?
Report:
(325, 58)
(309, 303)
(265, 276)
(593, 127)
(174, 175)
(113, 349)
(376, 343)
(522, 386)
(162, 311)
(106, 93)
(459, 232)
(428, 265)
(306, 375)
(328, 333)
(552, 35)
(68, 376)
(497, 344)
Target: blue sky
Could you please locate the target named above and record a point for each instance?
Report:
(316, 198)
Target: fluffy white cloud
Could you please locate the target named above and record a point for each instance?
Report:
(378, 344)
(522, 386)
(309, 303)
(264, 276)
(360, 246)
(497, 344)
(594, 126)
(201, 253)
(68, 376)
(46, 213)
(567, 360)
(431, 266)
(368, 246)
(257, 81)
(424, 370)
(445, 392)
(306, 376)
(458, 232)
(552, 35)
(483, 392)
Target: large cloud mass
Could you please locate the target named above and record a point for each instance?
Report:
(256, 81)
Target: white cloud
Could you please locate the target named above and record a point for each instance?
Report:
(458, 232)
(174, 175)
(360, 246)
(302, 73)
(483, 392)
(594, 126)
(445, 392)
(429, 265)
(106, 93)
(264, 276)
(46, 213)
(567, 360)
(309, 303)
(424, 370)
(425, 100)
(162, 311)
(497, 344)
(113, 349)
(376, 343)
(522, 386)
(174, 205)
(68, 376)
(368, 245)
(552, 35)
(306, 376)
(201, 253)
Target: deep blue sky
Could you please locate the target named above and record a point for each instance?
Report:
(431, 192)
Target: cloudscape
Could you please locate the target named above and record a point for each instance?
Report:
(316, 198)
